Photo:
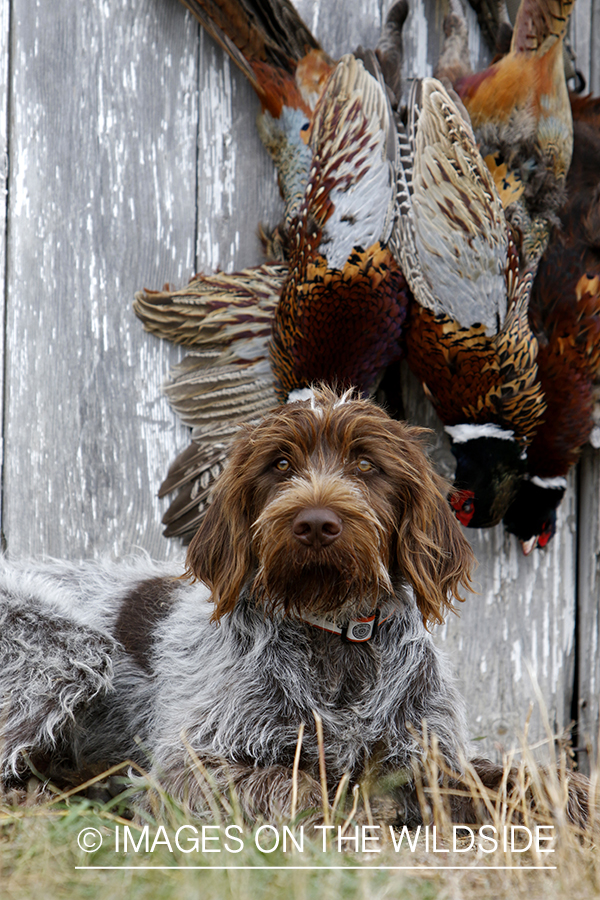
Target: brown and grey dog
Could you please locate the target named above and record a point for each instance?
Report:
(328, 548)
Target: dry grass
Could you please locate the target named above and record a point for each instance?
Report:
(39, 852)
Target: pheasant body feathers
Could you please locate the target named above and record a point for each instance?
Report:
(520, 112)
(564, 313)
(468, 339)
(342, 307)
(357, 312)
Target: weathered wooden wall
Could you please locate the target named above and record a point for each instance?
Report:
(585, 37)
(130, 157)
(102, 148)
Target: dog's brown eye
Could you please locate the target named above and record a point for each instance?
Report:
(363, 465)
(282, 465)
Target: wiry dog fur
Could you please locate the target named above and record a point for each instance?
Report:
(327, 507)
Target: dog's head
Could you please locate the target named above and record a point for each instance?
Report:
(328, 505)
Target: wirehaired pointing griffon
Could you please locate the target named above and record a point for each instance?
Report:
(328, 548)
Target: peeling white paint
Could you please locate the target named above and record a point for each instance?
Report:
(416, 63)
(515, 657)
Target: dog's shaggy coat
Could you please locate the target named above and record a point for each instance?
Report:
(327, 511)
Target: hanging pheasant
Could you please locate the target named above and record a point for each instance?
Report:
(521, 117)
(338, 308)
(468, 337)
(565, 315)
(523, 92)
(344, 302)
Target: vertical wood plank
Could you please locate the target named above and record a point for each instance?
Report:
(237, 182)
(4, 163)
(580, 36)
(585, 39)
(342, 26)
(101, 202)
(594, 30)
(588, 610)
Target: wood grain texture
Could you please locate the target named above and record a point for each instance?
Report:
(4, 157)
(101, 202)
(594, 82)
(588, 609)
(237, 183)
(584, 34)
(580, 36)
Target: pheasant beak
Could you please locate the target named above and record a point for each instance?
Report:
(528, 546)
(541, 539)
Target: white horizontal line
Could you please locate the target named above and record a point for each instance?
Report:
(317, 868)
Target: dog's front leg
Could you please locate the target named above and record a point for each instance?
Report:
(205, 786)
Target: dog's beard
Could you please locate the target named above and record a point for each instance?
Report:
(343, 580)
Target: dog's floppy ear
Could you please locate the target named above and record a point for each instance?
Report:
(431, 550)
(220, 554)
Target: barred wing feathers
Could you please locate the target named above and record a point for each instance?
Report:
(452, 236)
(225, 379)
(343, 306)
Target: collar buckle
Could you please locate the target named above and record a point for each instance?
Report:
(355, 631)
(358, 631)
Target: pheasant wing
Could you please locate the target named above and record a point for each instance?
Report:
(452, 236)
(343, 306)
(225, 379)
(350, 190)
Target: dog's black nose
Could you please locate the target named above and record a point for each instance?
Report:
(317, 527)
